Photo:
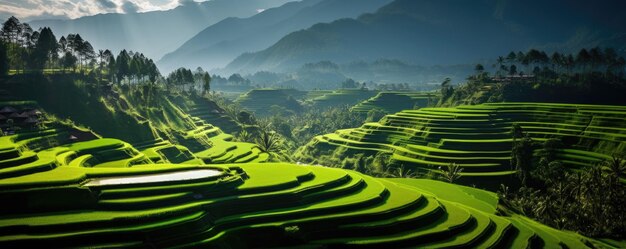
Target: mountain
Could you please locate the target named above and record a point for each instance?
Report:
(154, 33)
(222, 42)
(445, 32)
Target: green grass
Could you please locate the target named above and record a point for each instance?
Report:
(249, 205)
(392, 102)
(340, 97)
(479, 138)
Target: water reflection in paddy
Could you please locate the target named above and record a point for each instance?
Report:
(152, 178)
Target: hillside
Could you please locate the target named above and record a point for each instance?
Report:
(478, 138)
(264, 102)
(445, 33)
(218, 44)
(147, 118)
(392, 102)
(340, 97)
(157, 32)
(80, 198)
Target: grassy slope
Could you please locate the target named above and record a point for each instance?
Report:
(56, 200)
(260, 101)
(249, 205)
(339, 97)
(479, 137)
(143, 116)
(392, 102)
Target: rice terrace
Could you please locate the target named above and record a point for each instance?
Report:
(312, 124)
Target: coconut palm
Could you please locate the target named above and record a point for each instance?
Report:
(451, 172)
(616, 166)
(269, 142)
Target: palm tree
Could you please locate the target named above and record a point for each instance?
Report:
(244, 136)
(452, 172)
(616, 166)
(500, 62)
(400, 172)
(269, 142)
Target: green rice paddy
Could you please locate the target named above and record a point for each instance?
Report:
(479, 137)
(242, 205)
(392, 102)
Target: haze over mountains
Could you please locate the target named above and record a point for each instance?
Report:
(435, 32)
(231, 36)
(222, 42)
(158, 32)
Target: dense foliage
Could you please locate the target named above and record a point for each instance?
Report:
(592, 202)
(594, 76)
(26, 51)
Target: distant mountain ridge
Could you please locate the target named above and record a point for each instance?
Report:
(220, 43)
(445, 32)
(157, 32)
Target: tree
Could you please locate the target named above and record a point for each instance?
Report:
(206, 83)
(513, 70)
(10, 33)
(446, 88)
(46, 48)
(583, 58)
(479, 68)
(616, 166)
(62, 44)
(68, 60)
(500, 62)
(122, 65)
(557, 60)
(11, 30)
(522, 156)
(268, 142)
(452, 172)
(512, 57)
(4, 59)
(85, 51)
(349, 83)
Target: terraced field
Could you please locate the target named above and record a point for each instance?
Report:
(340, 97)
(392, 102)
(210, 113)
(479, 138)
(59, 202)
(260, 101)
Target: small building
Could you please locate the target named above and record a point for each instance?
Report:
(7, 110)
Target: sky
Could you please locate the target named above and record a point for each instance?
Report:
(27, 10)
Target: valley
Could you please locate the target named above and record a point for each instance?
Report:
(313, 124)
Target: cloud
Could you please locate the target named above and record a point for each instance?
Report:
(27, 10)
(129, 7)
(186, 2)
(107, 4)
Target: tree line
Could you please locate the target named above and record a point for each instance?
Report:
(24, 50)
(539, 63)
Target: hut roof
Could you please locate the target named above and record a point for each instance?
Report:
(18, 115)
(31, 120)
(8, 109)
